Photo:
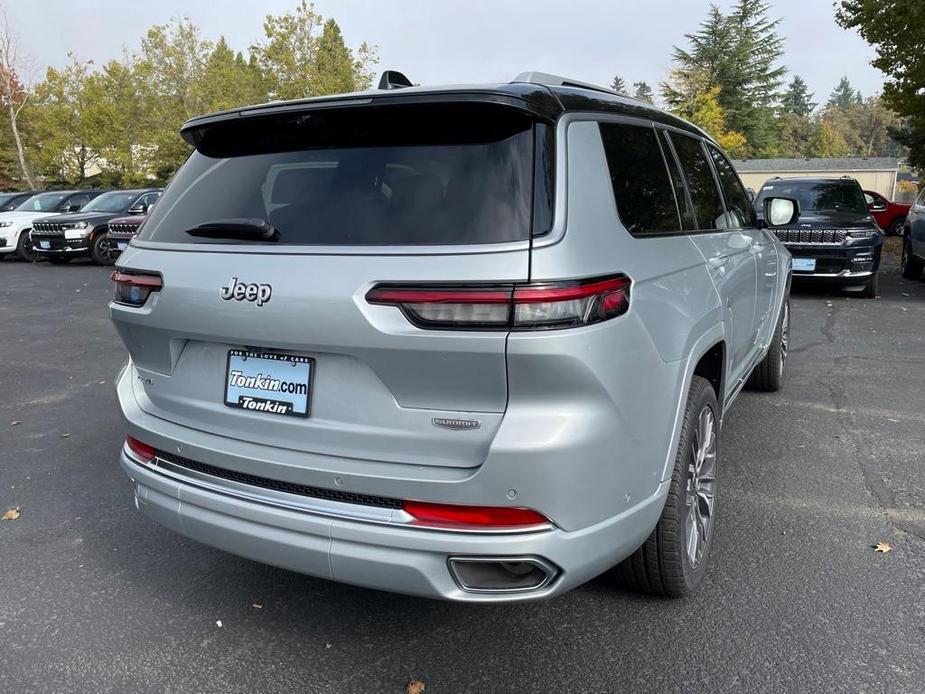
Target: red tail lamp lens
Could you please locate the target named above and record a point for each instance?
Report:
(134, 289)
(142, 451)
(472, 516)
(536, 306)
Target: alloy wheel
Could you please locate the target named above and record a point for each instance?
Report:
(701, 486)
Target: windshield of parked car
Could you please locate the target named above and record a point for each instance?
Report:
(43, 202)
(110, 202)
(817, 196)
(405, 176)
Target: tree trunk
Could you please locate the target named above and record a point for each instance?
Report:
(19, 148)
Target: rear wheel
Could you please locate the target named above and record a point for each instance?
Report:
(872, 288)
(102, 250)
(910, 264)
(24, 248)
(673, 560)
(896, 228)
(769, 374)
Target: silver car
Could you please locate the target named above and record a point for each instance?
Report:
(473, 343)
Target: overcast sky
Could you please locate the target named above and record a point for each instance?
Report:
(441, 41)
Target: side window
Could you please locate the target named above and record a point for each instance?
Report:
(149, 199)
(700, 181)
(81, 200)
(688, 222)
(739, 212)
(641, 187)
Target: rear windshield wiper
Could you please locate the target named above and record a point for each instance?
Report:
(243, 228)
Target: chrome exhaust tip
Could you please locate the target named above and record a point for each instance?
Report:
(502, 574)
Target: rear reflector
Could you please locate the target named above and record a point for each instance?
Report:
(451, 515)
(141, 451)
(538, 306)
(134, 289)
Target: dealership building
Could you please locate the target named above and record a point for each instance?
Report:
(874, 173)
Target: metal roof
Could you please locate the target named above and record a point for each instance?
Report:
(819, 165)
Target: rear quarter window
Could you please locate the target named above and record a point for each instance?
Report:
(642, 188)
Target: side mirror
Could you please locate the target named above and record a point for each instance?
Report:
(780, 212)
(751, 195)
(138, 209)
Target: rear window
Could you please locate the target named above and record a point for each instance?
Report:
(817, 196)
(423, 175)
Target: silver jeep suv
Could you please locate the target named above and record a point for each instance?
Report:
(472, 343)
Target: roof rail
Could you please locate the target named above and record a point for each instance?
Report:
(551, 80)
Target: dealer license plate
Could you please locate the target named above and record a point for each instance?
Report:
(804, 264)
(269, 383)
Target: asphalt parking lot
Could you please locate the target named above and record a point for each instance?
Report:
(94, 597)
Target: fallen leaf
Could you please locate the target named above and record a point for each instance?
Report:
(14, 423)
(416, 687)
(65, 435)
(903, 309)
(12, 513)
(906, 294)
(883, 547)
(259, 607)
(101, 382)
(218, 623)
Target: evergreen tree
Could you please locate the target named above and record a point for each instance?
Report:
(332, 64)
(739, 52)
(844, 95)
(618, 85)
(798, 99)
(643, 91)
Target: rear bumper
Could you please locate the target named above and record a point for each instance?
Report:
(414, 561)
(375, 552)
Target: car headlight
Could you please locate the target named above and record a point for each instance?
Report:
(863, 233)
(3, 225)
(76, 225)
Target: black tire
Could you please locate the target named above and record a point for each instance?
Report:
(663, 565)
(872, 288)
(101, 250)
(769, 374)
(24, 248)
(57, 260)
(896, 227)
(910, 265)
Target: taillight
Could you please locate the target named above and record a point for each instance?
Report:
(451, 515)
(134, 290)
(142, 451)
(536, 306)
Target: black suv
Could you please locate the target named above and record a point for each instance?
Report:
(83, 233)
(835, 240)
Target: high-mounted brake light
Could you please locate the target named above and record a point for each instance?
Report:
(451, 515)
(142, 451)
(134, 290)
(537, 306)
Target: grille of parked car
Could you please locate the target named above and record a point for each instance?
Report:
(123, 230)
(46, 229)
(811, 235)
(276, 485)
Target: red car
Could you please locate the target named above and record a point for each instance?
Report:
(888, 215)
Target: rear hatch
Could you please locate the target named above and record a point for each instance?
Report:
(269, 239)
